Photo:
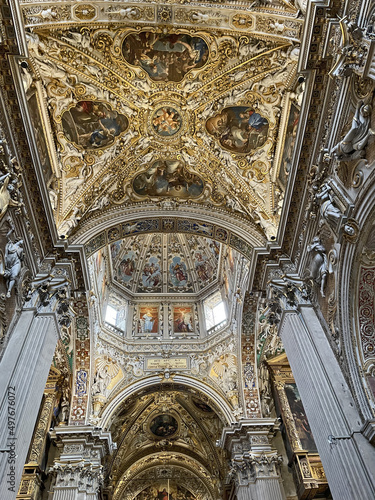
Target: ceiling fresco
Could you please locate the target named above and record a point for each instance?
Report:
(146, 102)
(165, 263)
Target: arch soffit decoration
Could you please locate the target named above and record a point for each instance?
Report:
(147, 384)
(108, 228)
(351, 258)
(176, 462)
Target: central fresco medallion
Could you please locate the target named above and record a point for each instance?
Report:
(166, 121)
(165, 57)
(164, 426)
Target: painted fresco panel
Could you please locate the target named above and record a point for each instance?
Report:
(151, 274)
(36, 121)
(164, 490)
(91, 124)
(203, 267)
(289, 143)
(165, 57)
(168, 178)
(239, 129)
(127, 267)
(178, 274)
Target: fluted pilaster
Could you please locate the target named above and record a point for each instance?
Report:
(24, 372)
(349, 461)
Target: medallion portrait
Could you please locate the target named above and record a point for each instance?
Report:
(164, 425)
(165, 57)
(168, 178)
(93, 124)
(239, 129)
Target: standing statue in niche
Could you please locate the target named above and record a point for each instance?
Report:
(352, 146)
(13, 262)
(319, 263)
(101, 382)
(328, 210)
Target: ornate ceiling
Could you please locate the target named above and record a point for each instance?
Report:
(165, 135)
(150, 104)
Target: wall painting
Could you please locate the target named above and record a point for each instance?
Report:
(298, 412)
(148, 321)
(151, 274)
(164, 490)
(183, 319)
(203, 267)
(289, 143)
(178, 273)
(127, 267)
(164, 425)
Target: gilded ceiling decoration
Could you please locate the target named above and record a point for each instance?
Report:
(148, 102)
(162, 433)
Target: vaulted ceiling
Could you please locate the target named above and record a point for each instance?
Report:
(148, 104)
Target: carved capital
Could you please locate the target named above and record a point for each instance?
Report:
(84, 477)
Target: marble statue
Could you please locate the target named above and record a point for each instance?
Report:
(352, 146)
(13, 263)
(6, 189)
(319, 263)
(328, 210)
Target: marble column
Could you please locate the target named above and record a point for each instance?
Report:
(24, 370)
(347, 456)
(254, 464)
(78, 470)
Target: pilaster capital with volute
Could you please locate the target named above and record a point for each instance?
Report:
(79, 465)
(248, 443)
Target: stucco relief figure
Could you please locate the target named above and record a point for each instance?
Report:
(6, 190)
(328, 210)
(13, 263)
(319, 263)
(101, 382)
(352, 146)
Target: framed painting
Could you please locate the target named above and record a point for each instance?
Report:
(183, 319)
(148, 319)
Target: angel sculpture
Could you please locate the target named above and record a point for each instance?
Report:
(352, 146)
